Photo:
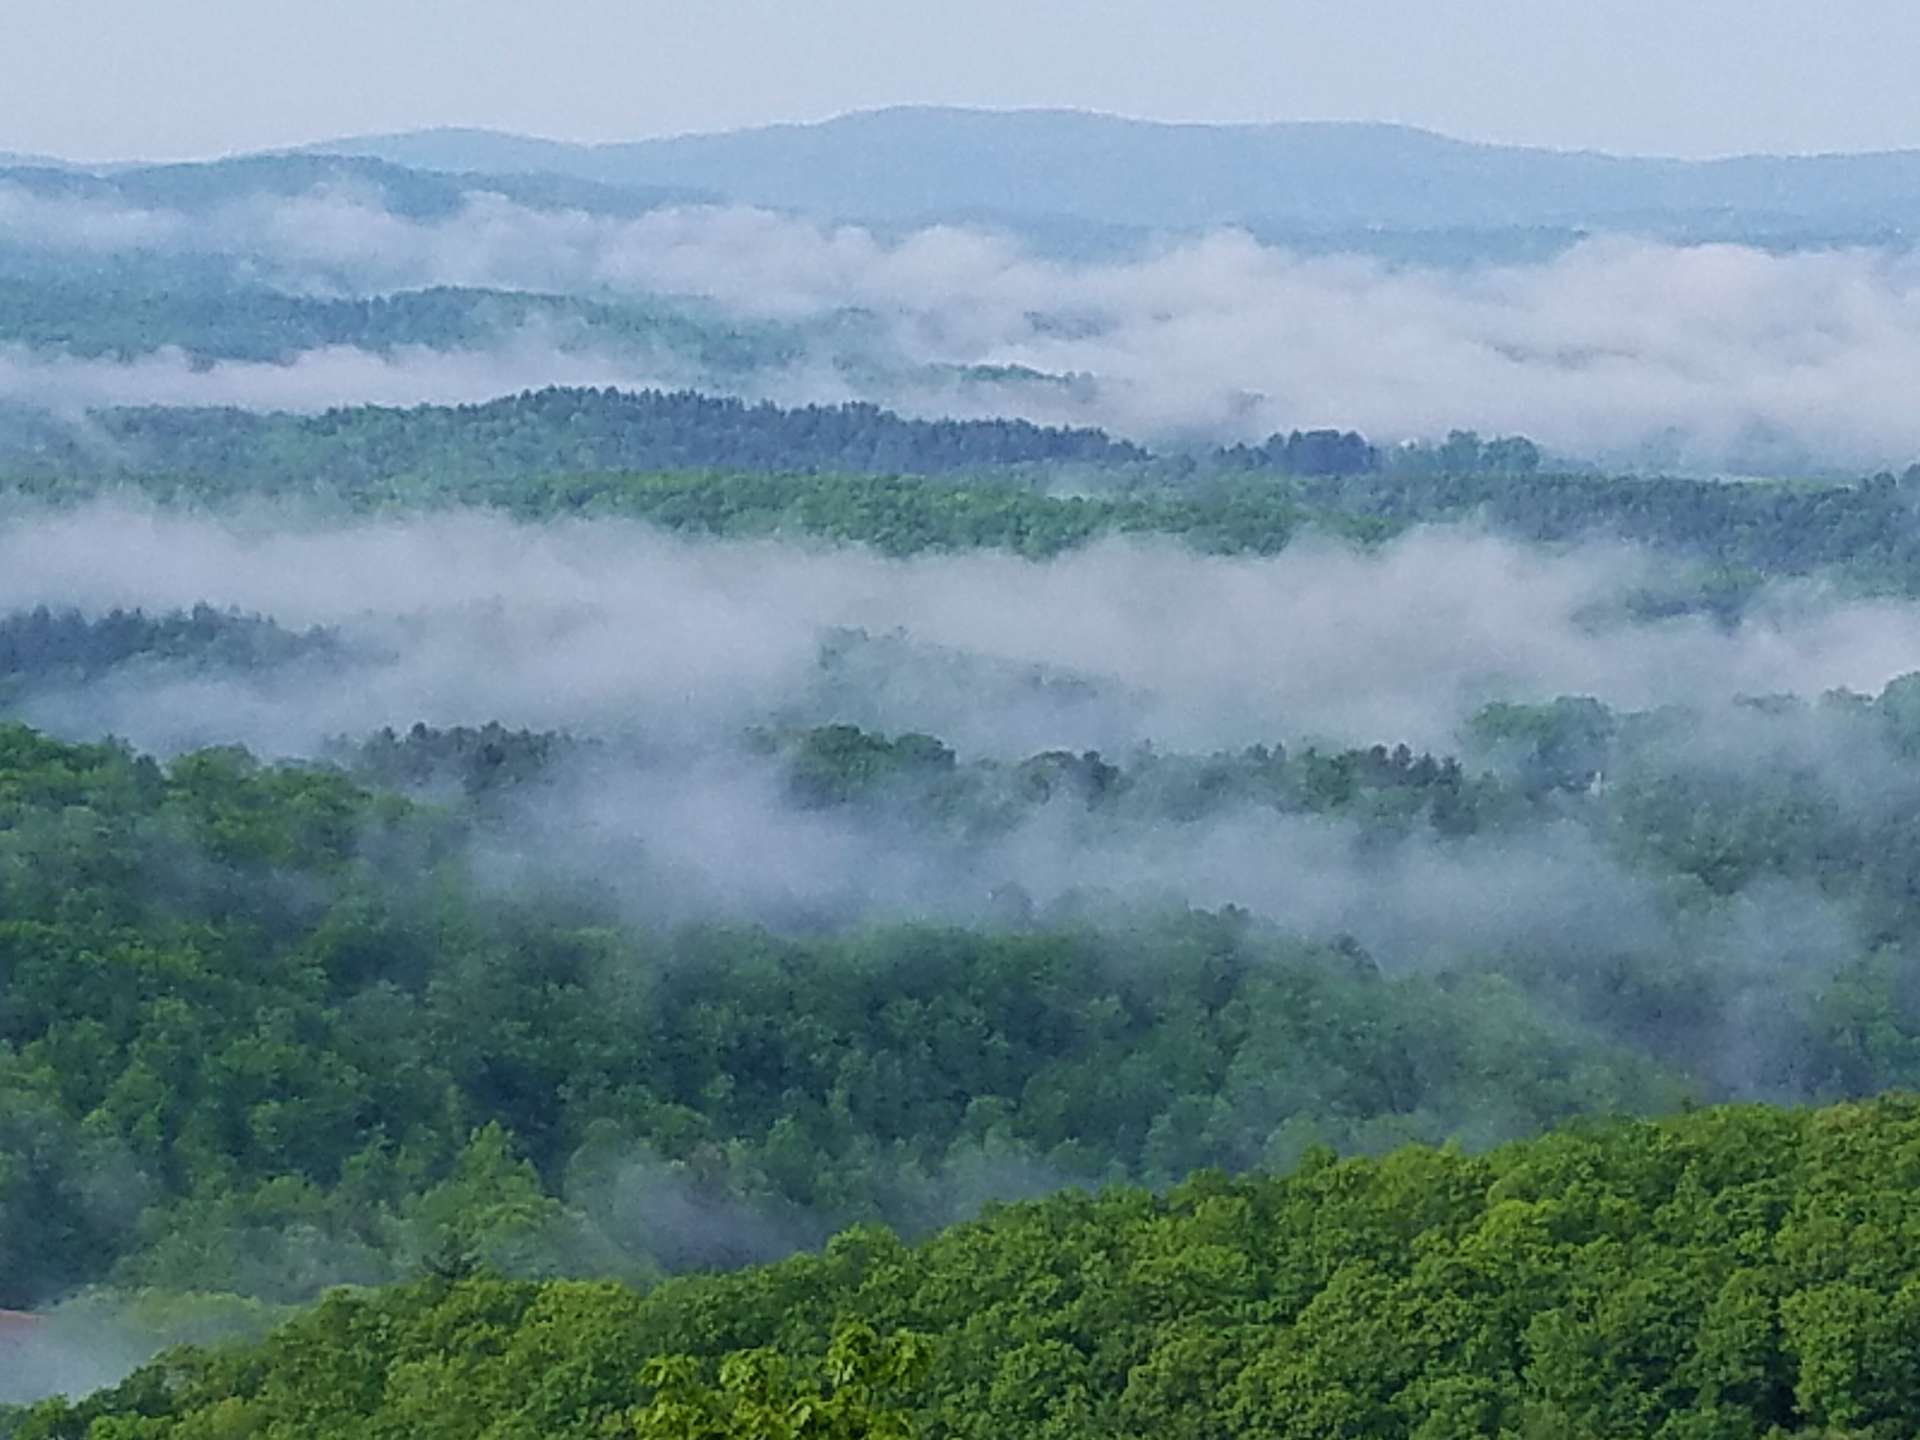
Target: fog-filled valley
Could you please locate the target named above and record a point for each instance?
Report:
(308, 282)
(624, 810)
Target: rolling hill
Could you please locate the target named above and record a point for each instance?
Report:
(908, 164)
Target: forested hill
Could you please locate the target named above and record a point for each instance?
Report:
(1734, 1274)
(106, 313)
(314, 1030)
(309, 1046)
(555, 430)
(861, 474)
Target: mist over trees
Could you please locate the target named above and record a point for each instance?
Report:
(307, 282)
(708, 465)
(1729, 1272)
(627, 815)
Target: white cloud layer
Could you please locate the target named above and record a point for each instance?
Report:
(461, 619)
(1706, 356)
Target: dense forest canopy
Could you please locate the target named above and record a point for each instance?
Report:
(624, 815)
(856, 473)
(592, 1008)
(547, 431)
(1733, 1273)
(265, 944)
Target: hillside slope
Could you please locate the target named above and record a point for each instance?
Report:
(1734, 1273)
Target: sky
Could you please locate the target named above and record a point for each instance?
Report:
(124, 79)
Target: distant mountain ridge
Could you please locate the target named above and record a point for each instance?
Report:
(416, 191)
(1081, 183)
(912, 164)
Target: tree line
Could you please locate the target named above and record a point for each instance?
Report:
(859, 474)
(1742, 1274)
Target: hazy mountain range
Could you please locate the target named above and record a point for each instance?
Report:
(919, 163)
(1087, 177)
(453, 267)
(1082, 181)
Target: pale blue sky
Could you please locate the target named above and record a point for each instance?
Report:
(102, 79)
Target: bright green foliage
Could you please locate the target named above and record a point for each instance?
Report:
(1742, 1273)
(260, 1032)
(758, 1397)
